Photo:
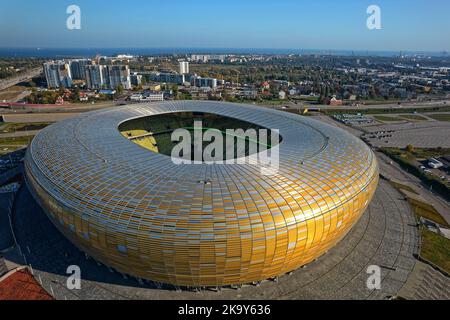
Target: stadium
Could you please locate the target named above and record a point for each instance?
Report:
(106, 181)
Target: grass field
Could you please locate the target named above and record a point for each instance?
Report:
(440, 116)
(13, 143)
(380, 102)
(419, 153)
(436, 249)
(13, 92)
(16, 140)
(427, 211)
(13, 127)
(386, 118)
(273, 102)
(413, 117)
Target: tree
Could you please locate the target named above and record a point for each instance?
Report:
(410, 148)
(175, 90)
(61, 90)
(75, 97)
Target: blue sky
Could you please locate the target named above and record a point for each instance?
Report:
(294, 24)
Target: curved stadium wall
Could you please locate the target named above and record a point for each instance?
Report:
(136, 211)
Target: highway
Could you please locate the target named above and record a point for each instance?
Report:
(404, 105)
(6, 83)
(42, 117)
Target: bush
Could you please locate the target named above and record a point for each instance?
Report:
(410, 148)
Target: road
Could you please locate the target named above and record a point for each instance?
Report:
(392, 169)
(22, 95)
(404, 105)
(37, 117)
(4, 84)
(19, 134)
(71, 108)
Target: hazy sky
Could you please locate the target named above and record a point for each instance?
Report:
(294, 24)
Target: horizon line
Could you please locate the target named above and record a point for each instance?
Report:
(227, 48)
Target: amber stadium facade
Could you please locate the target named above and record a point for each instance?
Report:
(133, 209)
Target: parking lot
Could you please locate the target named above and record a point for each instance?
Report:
(423, 135)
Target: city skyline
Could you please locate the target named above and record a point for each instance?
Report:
(281, 25)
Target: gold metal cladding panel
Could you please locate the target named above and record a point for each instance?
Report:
(135, 211)
(237, 260)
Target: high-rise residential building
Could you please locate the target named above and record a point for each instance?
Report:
(108, 77)
(78, 68)
(119, 75)
(204, 82)
(136, 79)
(184, 67)
(105, 77)
(51, 75)
(95, 76)
(57, 74)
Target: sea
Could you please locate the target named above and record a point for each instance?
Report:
(60, 53)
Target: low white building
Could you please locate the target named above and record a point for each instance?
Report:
(136, 97)
(152, 96)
